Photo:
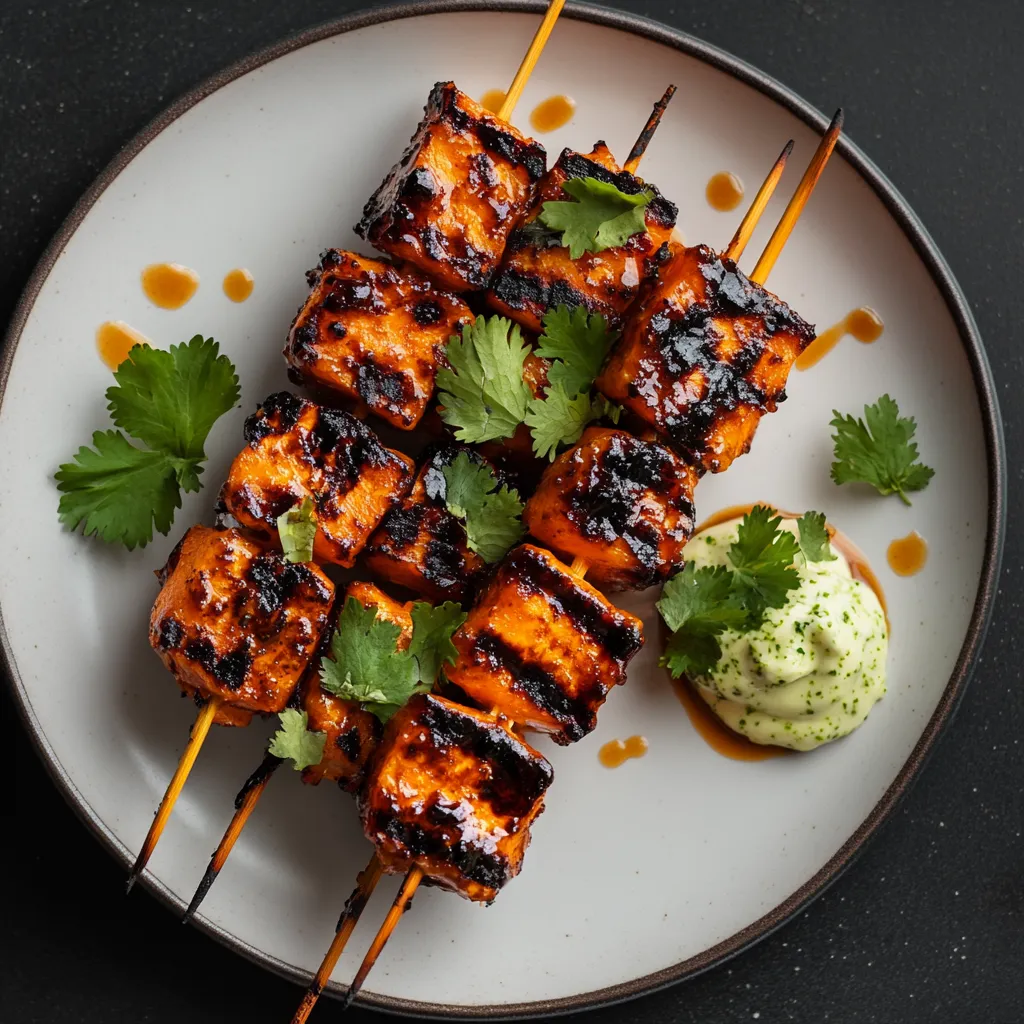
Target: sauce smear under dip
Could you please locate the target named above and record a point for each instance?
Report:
(238, 284)
(115, 339)
(715, 733)
(552, 113)
(724, 191)
(907, 555)
(617, 752)
(169, 285)
(864, 324)
(492, 100)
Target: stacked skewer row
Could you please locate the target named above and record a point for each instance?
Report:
(447, 792)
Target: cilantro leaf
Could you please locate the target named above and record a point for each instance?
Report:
(698, 605)
(297, 531)
(602, 217)
(169, 399)
(814, 540)
(492, 514)
(482, 392)
(119, 492)
(577, 343)
(879, 451)
(762, 558)
(432, 629)
(296, 742)
(365, 664)
(557, 419)
(691, 654)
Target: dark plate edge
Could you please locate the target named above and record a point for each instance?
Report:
(996, 526)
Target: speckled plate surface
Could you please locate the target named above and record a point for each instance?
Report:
(636, 877)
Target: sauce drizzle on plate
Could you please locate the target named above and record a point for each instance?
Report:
(552, 113)
(907, 555)
(115, 339)
(169, 285)
(617, 752)
(238, 284)
(724, 191)
(864, 324)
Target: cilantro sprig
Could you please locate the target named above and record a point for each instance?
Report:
(577, 345)
(294, 741)
(366, 664)
(296, 529)
(699, 605)
(492, 514)
(879, 450)
(482, 392)
(598, 217)
(168, 400)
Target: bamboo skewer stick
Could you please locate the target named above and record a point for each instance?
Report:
(739, 241)
(515, 90)
(401, 904)
(796, 205)
(245, 804)
(366, 882)
(636, 154)
(200, 728)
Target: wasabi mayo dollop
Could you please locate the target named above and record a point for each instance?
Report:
(813, 669)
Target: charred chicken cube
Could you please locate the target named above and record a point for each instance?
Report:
(454, 792)
(543, 647)
(236, 621)
(706, 355)
(449, 204)
(296, 449)
(621, 503)
(537, 274)
(420, 544)
(374, 333)
(351, 732)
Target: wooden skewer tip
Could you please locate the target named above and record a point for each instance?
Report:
(636, 154)
(748, 225)
(200, 728)
(515, 90)
(245, 803)
(401, 904)
(366, 882)
(800, 198)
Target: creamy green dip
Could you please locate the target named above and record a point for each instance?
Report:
(814, 668)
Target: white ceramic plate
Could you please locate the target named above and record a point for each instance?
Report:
(636, 877)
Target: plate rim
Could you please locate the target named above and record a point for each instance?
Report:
(995, 449)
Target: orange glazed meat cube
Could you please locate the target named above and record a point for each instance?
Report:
(453, 791)
(706, 355)
(420, 544)
(351, 733)
(623, 504)
(543, 647)
(297, 449)
(236, 621)
(449, 204)
(537, 274)
(374, 333)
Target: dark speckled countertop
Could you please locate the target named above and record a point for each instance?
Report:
(929, 924)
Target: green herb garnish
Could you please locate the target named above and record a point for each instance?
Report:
(482, 392)
(168, 401)
(297, 531)
(366, 665)
(492, 514)
(296, 742)
(601, 217)
(878, 450)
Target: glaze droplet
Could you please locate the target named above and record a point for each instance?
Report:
(238, 284)
(169, 285)
(115, 339)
